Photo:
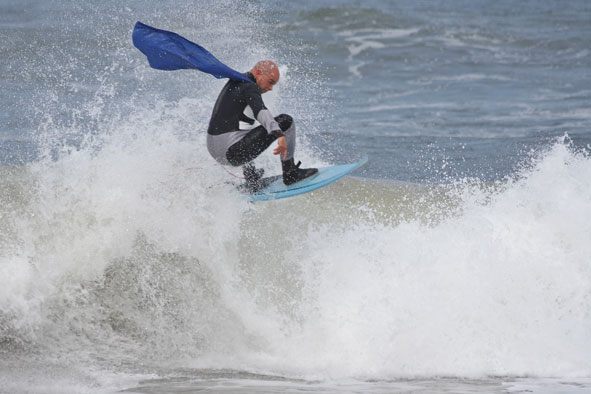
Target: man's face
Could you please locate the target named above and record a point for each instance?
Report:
(267, 81)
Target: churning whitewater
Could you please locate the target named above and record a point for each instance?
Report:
(123, 253)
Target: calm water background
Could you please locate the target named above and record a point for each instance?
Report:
(472, 85)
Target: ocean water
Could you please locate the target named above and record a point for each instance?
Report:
(456, 261)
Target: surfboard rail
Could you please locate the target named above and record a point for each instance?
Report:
(326, 175)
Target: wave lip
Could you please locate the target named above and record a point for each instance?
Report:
(366, 279)
(493, 282)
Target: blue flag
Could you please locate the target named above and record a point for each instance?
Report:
(169, 51)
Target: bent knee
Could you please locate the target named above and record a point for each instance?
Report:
(285, 121)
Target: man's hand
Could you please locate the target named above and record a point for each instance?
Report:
(281, 147)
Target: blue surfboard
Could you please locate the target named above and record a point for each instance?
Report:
(276, 189)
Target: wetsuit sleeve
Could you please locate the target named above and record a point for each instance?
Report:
(261, 113)
(266, 119)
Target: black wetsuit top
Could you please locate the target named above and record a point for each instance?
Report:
(229, 107)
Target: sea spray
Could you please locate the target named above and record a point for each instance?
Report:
(122, 253)
(500, 286)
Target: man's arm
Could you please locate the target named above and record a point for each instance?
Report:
(281, 146)
(265, 118)
(260, 111)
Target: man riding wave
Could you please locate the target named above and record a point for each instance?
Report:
(228, 144)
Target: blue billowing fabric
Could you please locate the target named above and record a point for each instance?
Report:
(169, 51)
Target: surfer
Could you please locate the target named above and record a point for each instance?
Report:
(229, 144)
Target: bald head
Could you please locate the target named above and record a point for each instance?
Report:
(266, 73)
(265, 67)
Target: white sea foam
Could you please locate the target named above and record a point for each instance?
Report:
(378, 108)
(369, 33)
(498, 285)
(472, 77)
(500, 288)
(367, 39)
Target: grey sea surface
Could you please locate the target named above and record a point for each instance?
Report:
(253, 384)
